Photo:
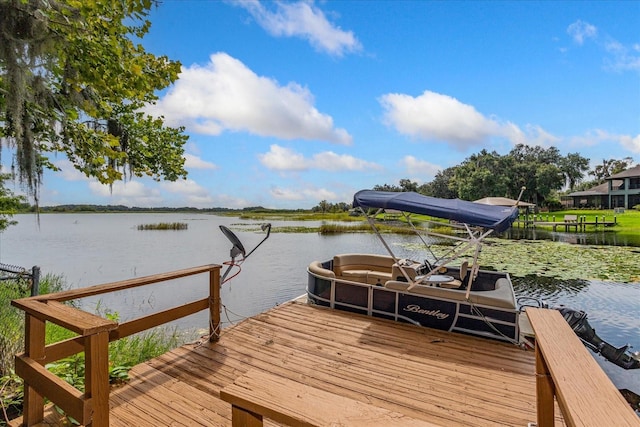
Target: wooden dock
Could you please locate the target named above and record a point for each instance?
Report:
(359, 366)
(447, 379)
(569, 223)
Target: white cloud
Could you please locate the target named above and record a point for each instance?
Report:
(284, 159)
(437, 117)
(189, 192)
(331, 161)
(69, 172)
(226, 95)
(420, 168)
(622, 58)
(536, 135)
(286, 194)
(303, 194)
(619, 57)
(580, 31)
(302, 19)
(224, 200)
(184, 187)
(433, 116)
(599, 136)
(131, 193)
(195, 162)
(631, 143)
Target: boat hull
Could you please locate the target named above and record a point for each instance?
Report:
(448, 310)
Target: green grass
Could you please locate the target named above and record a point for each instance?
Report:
(627, 222)
(123, 354)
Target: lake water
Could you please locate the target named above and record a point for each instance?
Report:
(91, 249)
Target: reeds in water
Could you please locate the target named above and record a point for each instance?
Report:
(164, 226)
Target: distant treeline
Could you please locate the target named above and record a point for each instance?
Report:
(26, 208)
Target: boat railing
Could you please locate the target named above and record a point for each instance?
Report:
(93, 336)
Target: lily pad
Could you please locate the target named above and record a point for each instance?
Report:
(564, 261)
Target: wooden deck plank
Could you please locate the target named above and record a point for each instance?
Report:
(349, 376)
(442, 378)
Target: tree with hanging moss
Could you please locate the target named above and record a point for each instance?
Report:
(74, 80)
(10, 203)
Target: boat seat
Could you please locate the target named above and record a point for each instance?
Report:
(502, 296)
(362, 262)
(354, 275)
(364, 268)
(378, 277)
(316, 268)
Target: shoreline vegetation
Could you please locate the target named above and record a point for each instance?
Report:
(611, 263)
(164, 226)
(626, 222)
(123, 354)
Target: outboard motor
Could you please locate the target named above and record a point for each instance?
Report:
(577, 319)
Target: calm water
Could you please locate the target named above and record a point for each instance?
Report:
(91, 249)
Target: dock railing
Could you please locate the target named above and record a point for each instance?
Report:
(94, 335)
(567, 374)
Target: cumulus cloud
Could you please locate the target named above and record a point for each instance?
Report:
(69, 172)
(287, 160)
(304, 20)
(580, 31)
(303, 194)
(195, 162)
(422, 168)
(631, 143)
(189, 192)
(434, 116)
(226, 95)
(131, 193)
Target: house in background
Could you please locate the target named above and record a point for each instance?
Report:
(621, 190)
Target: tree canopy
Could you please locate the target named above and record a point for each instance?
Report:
(543, 171)
(74, 81)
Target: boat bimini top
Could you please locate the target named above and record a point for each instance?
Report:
(497, 218)
(478, 220)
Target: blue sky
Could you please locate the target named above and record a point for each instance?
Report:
(290, 103)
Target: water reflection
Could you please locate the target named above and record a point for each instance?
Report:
(548, 288)
(601, 237)
(91, 249)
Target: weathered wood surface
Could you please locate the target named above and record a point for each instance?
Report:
(442, 378)
(257, 395)
(585, 394)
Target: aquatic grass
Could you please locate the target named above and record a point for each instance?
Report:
(298, 216)
(333, 228)
(556, 260)
(164, 226)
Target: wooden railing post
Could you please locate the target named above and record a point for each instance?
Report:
(94, 333)
(97, 377)
(33, 404)
(545, 392)
(214, 304)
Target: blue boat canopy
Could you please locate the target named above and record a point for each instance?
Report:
(498, 218)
